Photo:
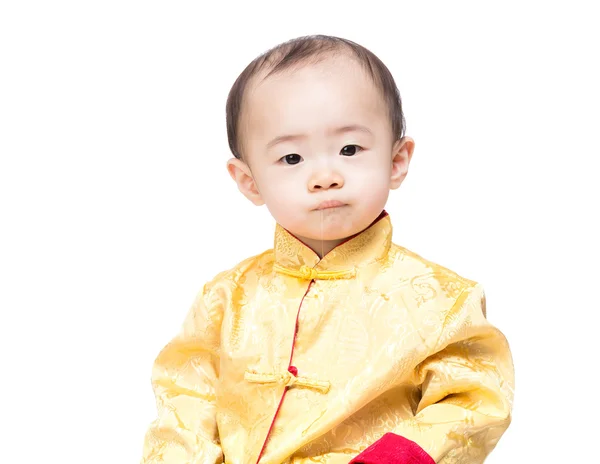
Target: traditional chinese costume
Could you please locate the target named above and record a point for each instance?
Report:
(371, 354)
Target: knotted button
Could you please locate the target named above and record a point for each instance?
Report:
(289, 379)
(308, 273)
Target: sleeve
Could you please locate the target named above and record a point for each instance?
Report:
(184, 377)
(467, 390)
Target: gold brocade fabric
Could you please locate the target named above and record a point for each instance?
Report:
(380, 340)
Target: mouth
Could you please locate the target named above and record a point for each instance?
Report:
(330, 204)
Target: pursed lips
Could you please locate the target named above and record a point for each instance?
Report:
(330, 204)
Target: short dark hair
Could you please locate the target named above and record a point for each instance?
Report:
(310, 50)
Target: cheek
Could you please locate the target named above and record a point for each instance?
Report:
(371, 183)
(370, 177)
(279, 187)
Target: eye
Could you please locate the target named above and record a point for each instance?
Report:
(350, 150)
(291, 159)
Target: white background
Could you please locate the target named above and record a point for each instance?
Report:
(116, 206)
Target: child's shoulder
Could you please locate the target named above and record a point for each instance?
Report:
(421, 270)
(233, 273)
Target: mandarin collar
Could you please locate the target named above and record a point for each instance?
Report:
(295, 258)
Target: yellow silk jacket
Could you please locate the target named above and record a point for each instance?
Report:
(289, 358)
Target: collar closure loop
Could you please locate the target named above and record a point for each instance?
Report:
(309, 273)
(287, 379)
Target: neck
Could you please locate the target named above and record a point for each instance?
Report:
(297, 253)
(321, 247)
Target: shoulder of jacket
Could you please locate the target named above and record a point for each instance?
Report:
(231, 275)
(423, 268)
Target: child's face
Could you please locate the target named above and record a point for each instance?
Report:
(293, 176)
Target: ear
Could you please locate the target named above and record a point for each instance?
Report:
(401, 155)
(241, 174)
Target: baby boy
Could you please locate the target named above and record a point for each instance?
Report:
(336, 345)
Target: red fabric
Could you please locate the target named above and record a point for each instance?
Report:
(292, 369)
(393, 449)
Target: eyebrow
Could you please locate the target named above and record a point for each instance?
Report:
(339, 130)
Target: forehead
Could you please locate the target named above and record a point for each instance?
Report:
(313, 99)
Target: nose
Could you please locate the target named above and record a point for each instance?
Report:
(325, 179)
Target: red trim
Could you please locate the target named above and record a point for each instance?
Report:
(291, 369)
(393, 449)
